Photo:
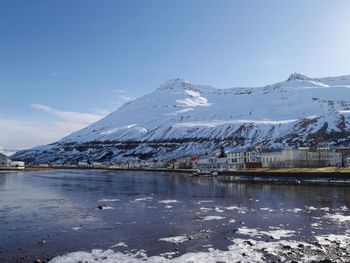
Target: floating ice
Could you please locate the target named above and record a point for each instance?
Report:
(143, 199)
(175, 240)
(120, 244)
(311, 208)
(208, 218)
(233, 207)
(168, 201)
(206, 209)
(105, 207)
(206, 201)
(297, 210)
(276, 234)
(109, 200)
(219, 210)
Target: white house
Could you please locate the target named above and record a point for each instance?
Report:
(97, 164)
(18, 164)
(241, 158)
(211, 163)
(347, 162)
(136, 164)
(84, 164)
(157, 163)
(302, 157)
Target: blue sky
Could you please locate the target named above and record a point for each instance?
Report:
(65, 64)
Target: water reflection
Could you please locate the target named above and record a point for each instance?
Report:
(50, 205)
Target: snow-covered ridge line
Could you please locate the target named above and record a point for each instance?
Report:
(188, 119)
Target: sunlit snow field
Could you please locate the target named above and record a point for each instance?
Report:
(72, 215)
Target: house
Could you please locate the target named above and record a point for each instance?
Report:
(244, 159)
(347, 162)
(97, 165)
(4, 161)
(137, 164)
(18, 164)
(211, 163)
(302, 157)
(345, 151)
(84, 164)
(157, 163)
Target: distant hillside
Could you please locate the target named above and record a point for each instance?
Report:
(183, 119)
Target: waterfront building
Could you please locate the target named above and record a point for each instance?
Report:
(232, 160)
(214, 163)
(17, 164)
(4, 161)
(302, 157)
(244, 159)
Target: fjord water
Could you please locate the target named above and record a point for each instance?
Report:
(46, 214)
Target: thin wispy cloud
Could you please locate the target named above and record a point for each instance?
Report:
(21, 134)
(16, 133)
(75, 117)
(122, 96)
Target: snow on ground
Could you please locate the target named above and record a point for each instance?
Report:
(120, 244)
(327, 240)
(338, 217)
(169, 254)
(276, 234)
(251, 245)
(241, 250)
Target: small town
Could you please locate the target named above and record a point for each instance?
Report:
(240, 160)
(174, 131)
(220, 161)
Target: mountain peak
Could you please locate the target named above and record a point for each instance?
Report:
(297, 76)
(186, 119)
(174, 84)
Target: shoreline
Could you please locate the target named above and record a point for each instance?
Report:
(325, 171)
(329, 171)
(289, 176)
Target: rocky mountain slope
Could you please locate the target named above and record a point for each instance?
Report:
(182, 119)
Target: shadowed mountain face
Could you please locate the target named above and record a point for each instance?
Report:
(181, 119)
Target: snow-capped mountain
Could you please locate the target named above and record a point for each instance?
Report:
(181, 119)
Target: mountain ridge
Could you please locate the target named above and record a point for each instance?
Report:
(180, 119)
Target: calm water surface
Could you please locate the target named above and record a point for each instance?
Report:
(46, 214)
